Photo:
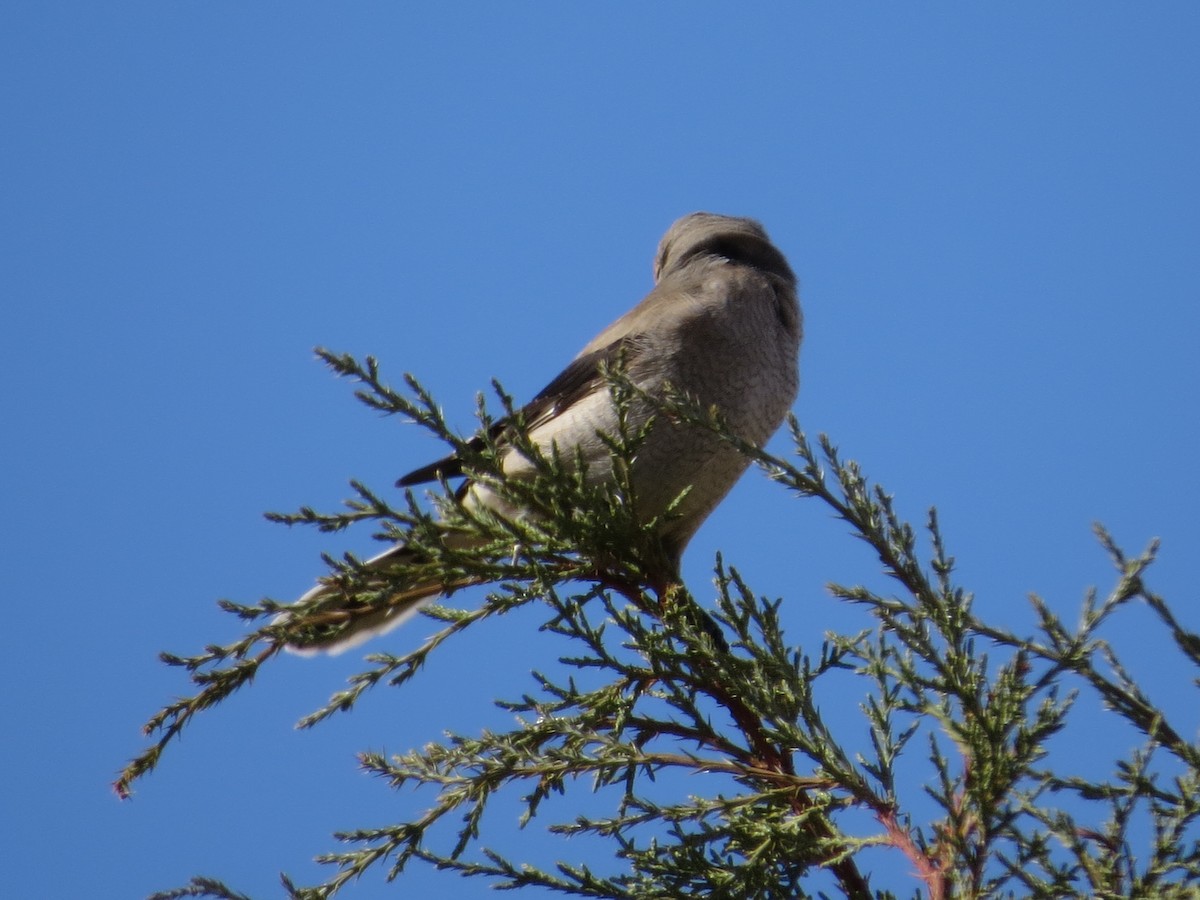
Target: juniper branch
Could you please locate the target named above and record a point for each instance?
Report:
(649, 685)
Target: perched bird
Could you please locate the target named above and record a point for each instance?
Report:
(722, 324)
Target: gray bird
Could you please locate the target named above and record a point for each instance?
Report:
(722, 323)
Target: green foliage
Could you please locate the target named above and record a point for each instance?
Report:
(654, 685)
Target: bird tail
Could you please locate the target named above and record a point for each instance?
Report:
(337, 620)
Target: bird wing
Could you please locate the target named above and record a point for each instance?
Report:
(582, 377)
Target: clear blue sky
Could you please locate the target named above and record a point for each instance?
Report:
(993, 209)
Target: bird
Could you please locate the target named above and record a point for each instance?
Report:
(722, 324)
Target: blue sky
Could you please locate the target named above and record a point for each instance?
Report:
(994, 212)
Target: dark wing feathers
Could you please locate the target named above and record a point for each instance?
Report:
(446, 467)
(576, 381)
